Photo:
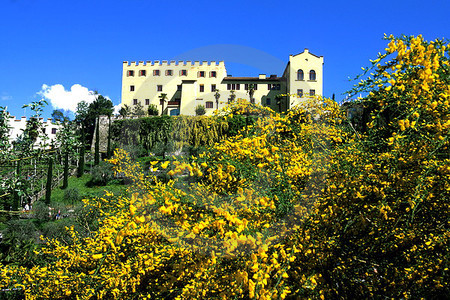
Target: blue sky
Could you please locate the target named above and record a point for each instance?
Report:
(62, 49)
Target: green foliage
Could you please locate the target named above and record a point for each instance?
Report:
(164, 134)
(58, 116)
(19, 242)
(138, 110)
(48, 186)
(101, 174)
(97, 143)
(40, 210)
(72, 195)
(200, 110)
(153, 110)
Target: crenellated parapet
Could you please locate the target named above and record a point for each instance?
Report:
(172, 63)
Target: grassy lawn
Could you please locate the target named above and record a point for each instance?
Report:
(83, 190)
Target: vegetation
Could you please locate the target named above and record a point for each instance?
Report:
(200, 110)
(295, 205)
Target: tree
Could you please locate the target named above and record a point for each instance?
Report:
(5, 145)
(138, 110)
(251, 92)
(152, 110)
(34, 128)
(80, 117)
(58, 116)
(48, 187)
(217, 96)
(279, 101)
(68, 142)
(100, 106)
(125, 111)
(162, 100)
(232, 96)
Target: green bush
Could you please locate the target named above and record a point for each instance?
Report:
(200, 110)
(101, 174)
(153, 110)
(72, 195)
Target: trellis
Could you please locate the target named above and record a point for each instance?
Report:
(24, 180)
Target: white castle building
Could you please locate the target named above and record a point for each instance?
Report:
(18, 125)
(189, 84)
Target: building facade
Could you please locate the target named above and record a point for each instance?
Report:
(17, 126)
(189, 84)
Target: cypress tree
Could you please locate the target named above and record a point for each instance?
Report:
(48, 188)
(82, 153)
(66, 170)
(15, 204)
(97, 143)
(108, 148)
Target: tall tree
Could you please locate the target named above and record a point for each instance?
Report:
(162, 100)
(251, 92)
(217, 96)
(232, 96)
(80, 118)
(58, 116)
(101, 106)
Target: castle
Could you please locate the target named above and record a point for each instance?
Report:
(189, 84)
(17, 126)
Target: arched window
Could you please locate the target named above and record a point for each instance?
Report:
(300, 74)
(312, 75)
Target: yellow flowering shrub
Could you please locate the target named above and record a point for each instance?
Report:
(296, 205)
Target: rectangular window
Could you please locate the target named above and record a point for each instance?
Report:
(130, 73)
(228, 86)
(54, 130)
(300, 93)
(155, 72)
(142, 73)
(147, 101)
(312, 92)
(134, 101)
(267, 101)
(246, 86)
(255, 86)
(169, 72)
(269, 86)
(201, 73)
(183, 72)
(202, 88)
(209, 104)
(131, 88)
(159, 88)
(238, 86)
(213, 87)
(213, 74)
(179, 87)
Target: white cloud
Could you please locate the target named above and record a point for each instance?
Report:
(117, 108)
(60, 98)
(5, 97)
